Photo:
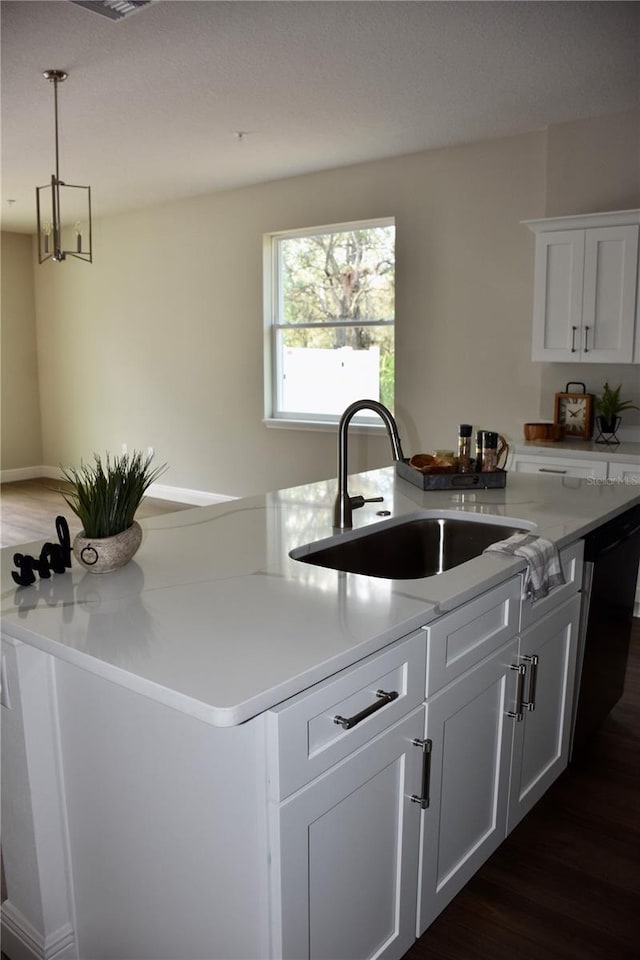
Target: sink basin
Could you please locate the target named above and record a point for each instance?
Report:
(410, 547)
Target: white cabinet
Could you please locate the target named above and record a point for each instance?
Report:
(344, 829)
(542, 738)
(499, 733)
(465, 822)
(380, 814)
(585, 288)
(472, 680)
(561, 466)
(348, 854)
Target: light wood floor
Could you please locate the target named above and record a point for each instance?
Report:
(29, 509)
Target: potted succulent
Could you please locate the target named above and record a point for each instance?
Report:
(609, 406)
(105, 495)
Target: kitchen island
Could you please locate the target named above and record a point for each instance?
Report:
(149, 793)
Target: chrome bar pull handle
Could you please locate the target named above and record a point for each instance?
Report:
(586, 339)
(522, 670)
(383, 699)
(423, 799)
(573, 339)
(530, 702)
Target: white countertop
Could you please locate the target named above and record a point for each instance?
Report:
(214, 618)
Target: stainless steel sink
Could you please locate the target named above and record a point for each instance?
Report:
(409, 548)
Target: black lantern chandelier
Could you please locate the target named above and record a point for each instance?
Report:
(64, 209)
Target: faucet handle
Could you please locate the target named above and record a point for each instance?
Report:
(359, 501)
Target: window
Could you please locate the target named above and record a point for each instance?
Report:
(330, 303)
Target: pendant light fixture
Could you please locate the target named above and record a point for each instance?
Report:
(64, 209)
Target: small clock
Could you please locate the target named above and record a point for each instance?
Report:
(574, 411)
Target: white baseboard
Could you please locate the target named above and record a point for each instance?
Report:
(22, 473)
(199, 498)
(31, 473)
(21, 941)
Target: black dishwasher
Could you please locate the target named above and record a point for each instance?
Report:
(611, 554)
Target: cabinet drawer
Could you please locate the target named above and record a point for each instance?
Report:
(571, 562)
(466, 636)
(303, 737)
(554, 467)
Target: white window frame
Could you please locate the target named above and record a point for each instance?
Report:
(272, 325)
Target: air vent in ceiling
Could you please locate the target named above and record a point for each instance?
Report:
(113, 9)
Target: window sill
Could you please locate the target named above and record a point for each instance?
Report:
(323, 426)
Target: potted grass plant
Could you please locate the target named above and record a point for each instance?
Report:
(609, 407)
(105, 495)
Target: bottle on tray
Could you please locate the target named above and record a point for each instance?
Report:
(464, 447)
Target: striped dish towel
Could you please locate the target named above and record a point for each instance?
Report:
(544, 571)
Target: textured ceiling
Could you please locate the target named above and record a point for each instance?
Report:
(153, 102)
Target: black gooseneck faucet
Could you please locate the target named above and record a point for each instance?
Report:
(342, 516)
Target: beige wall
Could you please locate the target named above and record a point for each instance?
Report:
(160, 342)
(593, 165)
(20, 398)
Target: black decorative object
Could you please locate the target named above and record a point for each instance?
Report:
(609, 407)
(608, 429)
(54, 557)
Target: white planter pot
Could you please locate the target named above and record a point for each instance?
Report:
(102, 555)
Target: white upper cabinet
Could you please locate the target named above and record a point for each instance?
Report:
(585, 288)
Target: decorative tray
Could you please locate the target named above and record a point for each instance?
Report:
(451, 481)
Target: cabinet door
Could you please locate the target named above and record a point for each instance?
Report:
(557, 295)
(471, 736)
(609, 296)
(346, 882)
(541, 741)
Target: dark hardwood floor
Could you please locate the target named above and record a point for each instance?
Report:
(29, 509)
(565, 884)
